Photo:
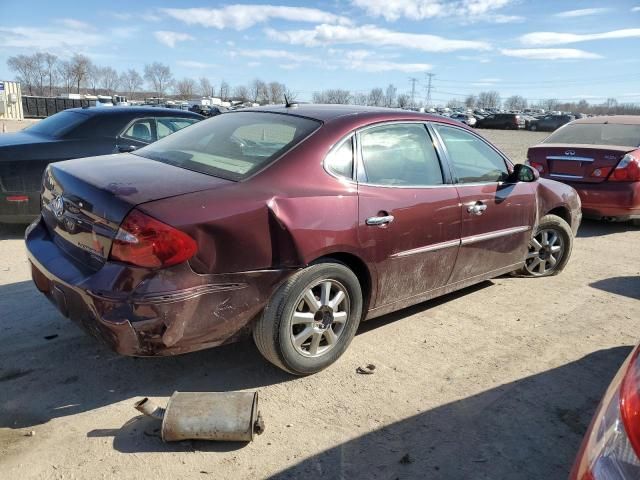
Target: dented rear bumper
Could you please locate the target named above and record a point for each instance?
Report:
(143, 312)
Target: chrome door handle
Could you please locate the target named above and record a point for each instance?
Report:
(380, 220)
(477, 208)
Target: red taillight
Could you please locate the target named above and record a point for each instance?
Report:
(146, 242)
(601, 172)
(538, 166)
(18, 198)
(628, 170)
(630, 403)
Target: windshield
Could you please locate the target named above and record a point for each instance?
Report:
(57, 125)
(597, 134)
(233, 145)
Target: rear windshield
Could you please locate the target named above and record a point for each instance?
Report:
(597, 134)
(233, 145)
(57, 125)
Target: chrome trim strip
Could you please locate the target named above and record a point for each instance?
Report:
(570, 159)
(495, 234)
(570, 177)
(429, 248)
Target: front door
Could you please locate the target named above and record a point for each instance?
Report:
(409, 214)
(497, 216)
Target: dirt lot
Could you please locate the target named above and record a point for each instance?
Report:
(497, 381)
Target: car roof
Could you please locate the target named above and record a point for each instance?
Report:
(611, 119)
(134, 111)
(326, 113)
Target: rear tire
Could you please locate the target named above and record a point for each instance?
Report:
(533, 127)
(311, 319)
(635, 222)
(549, 249)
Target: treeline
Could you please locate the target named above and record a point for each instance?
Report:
(45, 74)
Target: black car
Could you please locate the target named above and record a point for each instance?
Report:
(74, 133)
(504, 121)
(550, 122)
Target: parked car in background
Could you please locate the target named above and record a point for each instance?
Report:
(505, 121)
(467, 119)
(611, 446)
(270, 221)
(600, 158)
(550, 122)
(73, 133)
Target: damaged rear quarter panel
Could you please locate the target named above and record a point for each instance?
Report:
(551, 195)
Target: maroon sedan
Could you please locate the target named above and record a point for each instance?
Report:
(611, 447)
(293, 223)
(600, 158)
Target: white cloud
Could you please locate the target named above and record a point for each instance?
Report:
(253, 64)
(469, 10)
(73, 24)
(636, 9)
(49, 39)
(366, 61)
(582, 12)
(195, 64)
(241, 17)
(557, 38)
(549, 53)
(372, 35)
(171, 38)
(274, 54)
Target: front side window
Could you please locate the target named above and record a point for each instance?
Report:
(233, 145)
(141, 130)
(400, 155)
(473, 160)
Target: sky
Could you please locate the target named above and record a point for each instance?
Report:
(563, 49)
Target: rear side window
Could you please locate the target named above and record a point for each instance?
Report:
(57, 125)
(597, 134)
(233, 145)
(167, 126)
(473, 160)
(400, 155)
(141, 130)
(340, 161)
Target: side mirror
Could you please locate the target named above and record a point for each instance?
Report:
(126, 148)
(524, 173)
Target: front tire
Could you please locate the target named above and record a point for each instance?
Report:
(549, 249)
(533, 127)
(311, 319)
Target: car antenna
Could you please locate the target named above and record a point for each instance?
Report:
(287, 103)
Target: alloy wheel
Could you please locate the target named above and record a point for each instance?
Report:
(545, 252)
(320, 317)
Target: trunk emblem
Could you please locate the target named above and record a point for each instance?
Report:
(570, 153)
(57, 206)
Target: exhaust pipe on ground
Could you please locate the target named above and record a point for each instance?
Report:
(221, 416)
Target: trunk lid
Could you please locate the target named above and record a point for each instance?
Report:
(85, 200)
(576, 163)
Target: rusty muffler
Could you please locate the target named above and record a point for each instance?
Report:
(223, 416)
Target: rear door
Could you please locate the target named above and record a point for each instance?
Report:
(409, 217)
(497, 217)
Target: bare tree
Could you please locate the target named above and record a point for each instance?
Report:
(276, 92)
(376, 97)
(109, 80)
(159, 77)
(50, 64)
(80, 66)
(290, 95)
(131, 81)
(390, 96)
(256, 89)
(185, 88)
(470, 101)
(24, 67)
(489, 100)
(404, 100)
(94, 77)
(549, 104)
(334, 95)
(582, 106)
(515, 102)
(241, 93)
(359, 98)
(611, 103)
(454, 103)
(65, 73)
(205, 87)
(224, 90)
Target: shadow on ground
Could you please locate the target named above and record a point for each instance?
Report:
(530, 428)
(598, 228)
(625, 286)
(10, 231)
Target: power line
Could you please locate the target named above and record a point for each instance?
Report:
(430, 78)
(413, 81)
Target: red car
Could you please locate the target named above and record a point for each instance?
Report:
(292, 223)
(611, 446)
(600, 158)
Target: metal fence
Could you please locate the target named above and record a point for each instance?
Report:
(41, 107)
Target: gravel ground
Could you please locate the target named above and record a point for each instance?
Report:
(497, 381)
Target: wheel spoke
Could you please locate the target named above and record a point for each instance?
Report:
(302, 337)
(556, 248)
(542, 266)
(315, 343)
(552, 260)
(545, 237)
(533, 255)
(553, 238)
(340, 317)
(534, 264)
(302, 318)
(330, 336)
(325, 293)
(536, 244)
(311, 301)
(337, 299)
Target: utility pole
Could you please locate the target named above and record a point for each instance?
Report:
(429, 79)
(413, 81)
